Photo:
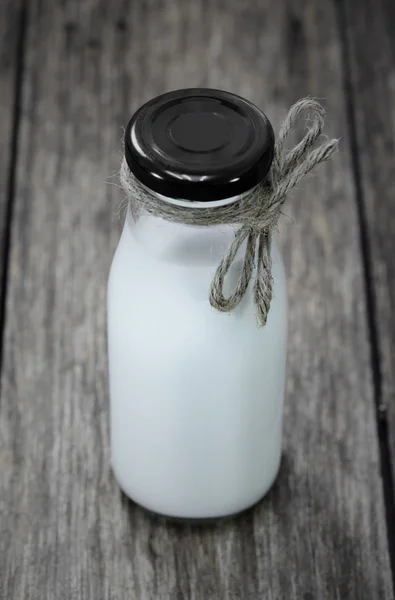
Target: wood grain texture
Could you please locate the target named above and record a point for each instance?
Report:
(66, 530)
(10, 23)
(371, 49)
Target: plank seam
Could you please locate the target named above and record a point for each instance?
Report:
(11, 181)
(371, 304)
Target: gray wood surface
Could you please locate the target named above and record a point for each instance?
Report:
(10, 23)
(66, 530)
(372, 67)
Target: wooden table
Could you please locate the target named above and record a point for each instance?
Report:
(71, 74)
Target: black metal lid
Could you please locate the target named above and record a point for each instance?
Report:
(199, 144)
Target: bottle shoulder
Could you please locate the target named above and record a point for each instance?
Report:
(150, 239)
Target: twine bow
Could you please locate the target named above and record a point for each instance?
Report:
(288, 169)
(257, 213)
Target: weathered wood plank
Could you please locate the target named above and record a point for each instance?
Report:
(69, 533)
(371, 50)
(10, 30)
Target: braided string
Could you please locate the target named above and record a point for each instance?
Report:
(257, 213)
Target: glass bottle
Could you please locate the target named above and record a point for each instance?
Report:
(196, 395)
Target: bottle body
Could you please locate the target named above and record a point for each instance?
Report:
(196, 396)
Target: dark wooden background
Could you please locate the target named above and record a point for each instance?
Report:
(71, 74)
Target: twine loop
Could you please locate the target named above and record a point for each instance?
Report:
(257, 214)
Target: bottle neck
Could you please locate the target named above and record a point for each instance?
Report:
(180, 243)
(196, 204)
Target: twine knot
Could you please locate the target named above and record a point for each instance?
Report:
(257, 214)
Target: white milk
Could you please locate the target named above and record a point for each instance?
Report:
(196, 395)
